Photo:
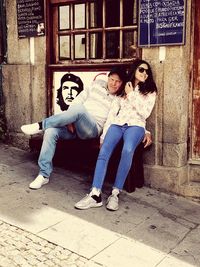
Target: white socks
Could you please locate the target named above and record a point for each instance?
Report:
(115, 191)
(95, 191)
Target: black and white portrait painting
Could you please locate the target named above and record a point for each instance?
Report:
(68, 85)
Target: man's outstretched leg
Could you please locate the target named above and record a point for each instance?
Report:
(47, 152)
(86, 128)
(58, 120)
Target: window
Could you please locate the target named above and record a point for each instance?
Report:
(93, 31)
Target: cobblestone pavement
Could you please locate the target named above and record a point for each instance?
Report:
(22, 249)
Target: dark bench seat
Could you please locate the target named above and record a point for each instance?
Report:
(82, 154)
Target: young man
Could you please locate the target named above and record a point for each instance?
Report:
(88, 113)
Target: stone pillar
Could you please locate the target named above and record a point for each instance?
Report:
(166, 162)
(24, 82)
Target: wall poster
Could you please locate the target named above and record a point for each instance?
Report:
(30, 18)
(162, 22)
(68, 85)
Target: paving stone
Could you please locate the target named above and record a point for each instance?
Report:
(23, 249)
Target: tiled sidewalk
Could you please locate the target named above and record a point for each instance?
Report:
(42, 228)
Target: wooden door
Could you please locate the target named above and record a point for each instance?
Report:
(196, 85)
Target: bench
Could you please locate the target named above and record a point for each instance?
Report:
(82, 154)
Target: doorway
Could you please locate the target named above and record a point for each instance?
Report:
(196, 85)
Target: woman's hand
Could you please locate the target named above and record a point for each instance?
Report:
(128, 87)
(147, 141)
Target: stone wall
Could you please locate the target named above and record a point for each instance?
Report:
(24, 84)
(167, 161)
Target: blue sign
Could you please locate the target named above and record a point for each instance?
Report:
(161, 22)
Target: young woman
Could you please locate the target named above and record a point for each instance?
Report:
(126, 120)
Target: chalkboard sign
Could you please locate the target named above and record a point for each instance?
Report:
(161, 22)
(30, 18)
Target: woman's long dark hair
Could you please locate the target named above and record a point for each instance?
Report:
(149, 85)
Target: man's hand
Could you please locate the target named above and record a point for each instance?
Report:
(71, 128)
(147, 141)
(100, 143)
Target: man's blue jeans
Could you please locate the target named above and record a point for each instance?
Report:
(55, 128)
(132, 136)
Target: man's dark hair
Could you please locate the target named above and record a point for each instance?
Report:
(120, 71)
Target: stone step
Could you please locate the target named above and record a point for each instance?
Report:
(191, 190)
(194, 170)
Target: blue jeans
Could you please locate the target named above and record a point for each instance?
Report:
(132, 136)
(55, 128)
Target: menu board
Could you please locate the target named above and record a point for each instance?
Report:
(30, 18)
(161, 22)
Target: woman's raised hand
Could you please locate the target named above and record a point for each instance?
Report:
(128, 87)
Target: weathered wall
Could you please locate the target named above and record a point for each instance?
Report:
(23, 83)
(167, 161)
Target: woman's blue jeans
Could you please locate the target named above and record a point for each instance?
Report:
(55, 128)
(132, 136)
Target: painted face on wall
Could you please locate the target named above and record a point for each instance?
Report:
(69, 91)
(70, 86)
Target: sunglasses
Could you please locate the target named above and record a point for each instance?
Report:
(142, 70)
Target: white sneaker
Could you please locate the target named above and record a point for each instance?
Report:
(30, 129)
(113, 202)
(38, 182)
(89, 201)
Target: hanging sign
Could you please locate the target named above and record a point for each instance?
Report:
(162, 22)
(30, 18)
